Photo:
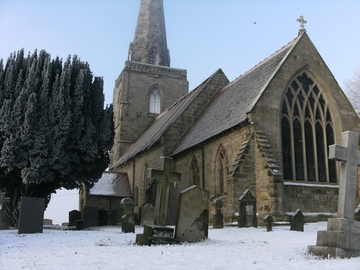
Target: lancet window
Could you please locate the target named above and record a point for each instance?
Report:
(154, 101)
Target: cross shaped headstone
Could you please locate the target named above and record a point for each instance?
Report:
(302, 22)
(348, 155)
(163, 175)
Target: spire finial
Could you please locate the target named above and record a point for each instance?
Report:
(302, 23)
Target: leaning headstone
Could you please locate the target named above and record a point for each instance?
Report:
(90, 217)
(147, 214)
(342, 237)
(297, 221)
(218, 218)
(193, 215)
(31, 215)
(4, 217)
(74, 215)
(103, 217)
(247, 210)
(127, 220)
(268, 222)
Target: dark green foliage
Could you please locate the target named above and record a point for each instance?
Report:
(54, 130)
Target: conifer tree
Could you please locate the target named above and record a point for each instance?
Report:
(54, 130)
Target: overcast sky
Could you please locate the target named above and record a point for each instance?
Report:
(202, 35)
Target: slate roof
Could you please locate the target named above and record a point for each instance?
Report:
(230, 107)
(112, 184)
(161, 124)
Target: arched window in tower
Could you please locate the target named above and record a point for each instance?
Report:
(154, 101)
(194, 172)
(222, 171)
(307, 131)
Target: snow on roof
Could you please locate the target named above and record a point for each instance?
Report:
(112, 184)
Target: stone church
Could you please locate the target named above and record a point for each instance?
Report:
(268, 131)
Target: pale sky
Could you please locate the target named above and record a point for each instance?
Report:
(202, 35)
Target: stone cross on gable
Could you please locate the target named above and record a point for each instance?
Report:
(348, 155)
(164, 176)
(302, 22)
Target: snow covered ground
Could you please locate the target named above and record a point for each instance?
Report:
(109, 248)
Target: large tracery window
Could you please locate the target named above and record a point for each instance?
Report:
(154, 101)
(307, 131)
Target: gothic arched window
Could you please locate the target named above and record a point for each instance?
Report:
(194, 172)
(154, 101)
(222, 170)
(307, 131)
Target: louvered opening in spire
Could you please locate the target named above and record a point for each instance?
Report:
(149, 45)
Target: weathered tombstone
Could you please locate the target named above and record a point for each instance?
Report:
(342, 237)
(164, 176)
(4, 218)
(31, 215)
(269, 222)
(74, 215)
(159, 233)
(103, 217)
(127, 220)
(90, 217)
(297, 221)
(218, 218)
(147, 214)
(48, 221)
(193, 215)
(247, 210)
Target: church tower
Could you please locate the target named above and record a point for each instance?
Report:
(147, 85)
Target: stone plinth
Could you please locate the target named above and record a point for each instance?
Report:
(340, 240)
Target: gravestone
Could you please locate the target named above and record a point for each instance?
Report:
(342, 237)
(103, 217)
(31, 215)
(90, 217)
(193, 215)
(159, 233)
(218, 218)
(48, 221)
(147, 214)
(74, 215)
(127, 220)
(4, 217)
(297, 221)
(247, 210)
(163, 176)
(268, 222)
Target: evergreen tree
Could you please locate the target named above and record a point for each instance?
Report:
(54, 130)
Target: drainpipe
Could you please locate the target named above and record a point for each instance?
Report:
(203, 166)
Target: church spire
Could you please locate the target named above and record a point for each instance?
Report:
(149, 45)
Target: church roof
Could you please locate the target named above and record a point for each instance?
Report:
(230, 107)
(112, 184)
(161, 124)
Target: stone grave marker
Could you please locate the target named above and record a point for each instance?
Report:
(218, 218)
(159, 233)
(193, 215)
(342, 237)
(127, 220)
(163, 176)
(147, 214)
(268, 222)
(103, 217)
(31, 215)
(297, 221)
(74, 215)
(48, 221)
(4, 218)
(90, 217)
(247, 210)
